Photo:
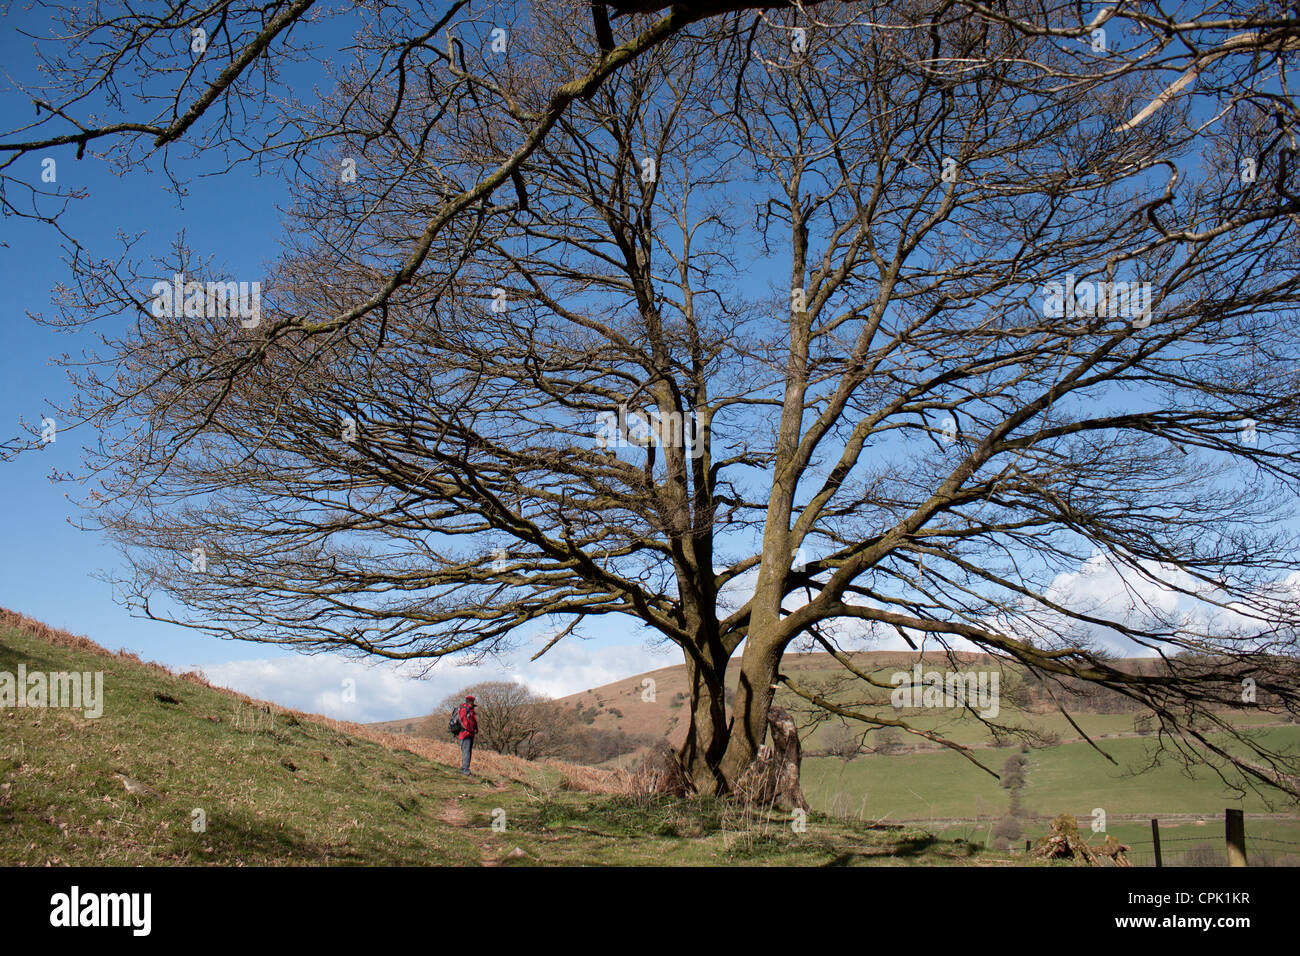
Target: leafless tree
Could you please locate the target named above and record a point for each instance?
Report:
(844, 742)
(849, 272)
(513, 719)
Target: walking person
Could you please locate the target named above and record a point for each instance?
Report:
(468, 728)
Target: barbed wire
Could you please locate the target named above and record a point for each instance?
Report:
(1264, 839)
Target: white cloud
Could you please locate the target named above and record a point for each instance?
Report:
(1099, 587)
(570, 667)
(388, 691)
(1162, 597)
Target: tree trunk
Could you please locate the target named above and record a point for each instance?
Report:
(758, 668)
(706, 737)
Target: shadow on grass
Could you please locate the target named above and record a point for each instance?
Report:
(909, 847)
(241, 837)
(11, 657)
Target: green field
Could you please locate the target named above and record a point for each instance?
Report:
(941, 787)
(1070, 778)
(925, 783)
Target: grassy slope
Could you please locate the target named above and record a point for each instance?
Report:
(348, 799)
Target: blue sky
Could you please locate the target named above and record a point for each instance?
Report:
(48, 567)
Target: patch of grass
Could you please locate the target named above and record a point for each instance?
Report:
(628, 831)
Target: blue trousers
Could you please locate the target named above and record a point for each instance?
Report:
(466, 748)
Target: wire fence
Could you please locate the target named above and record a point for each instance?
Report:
(1206, 845)
(1210, 846)
(1205, 849)
(1199, 850)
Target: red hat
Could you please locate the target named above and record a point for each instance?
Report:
(469, 696)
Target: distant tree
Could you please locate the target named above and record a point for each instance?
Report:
(1013, 772)
(843, 742)
(888, 741)
(1006, 832)
(512, 719)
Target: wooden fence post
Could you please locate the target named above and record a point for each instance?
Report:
(1155, 840)
(1234, 823)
